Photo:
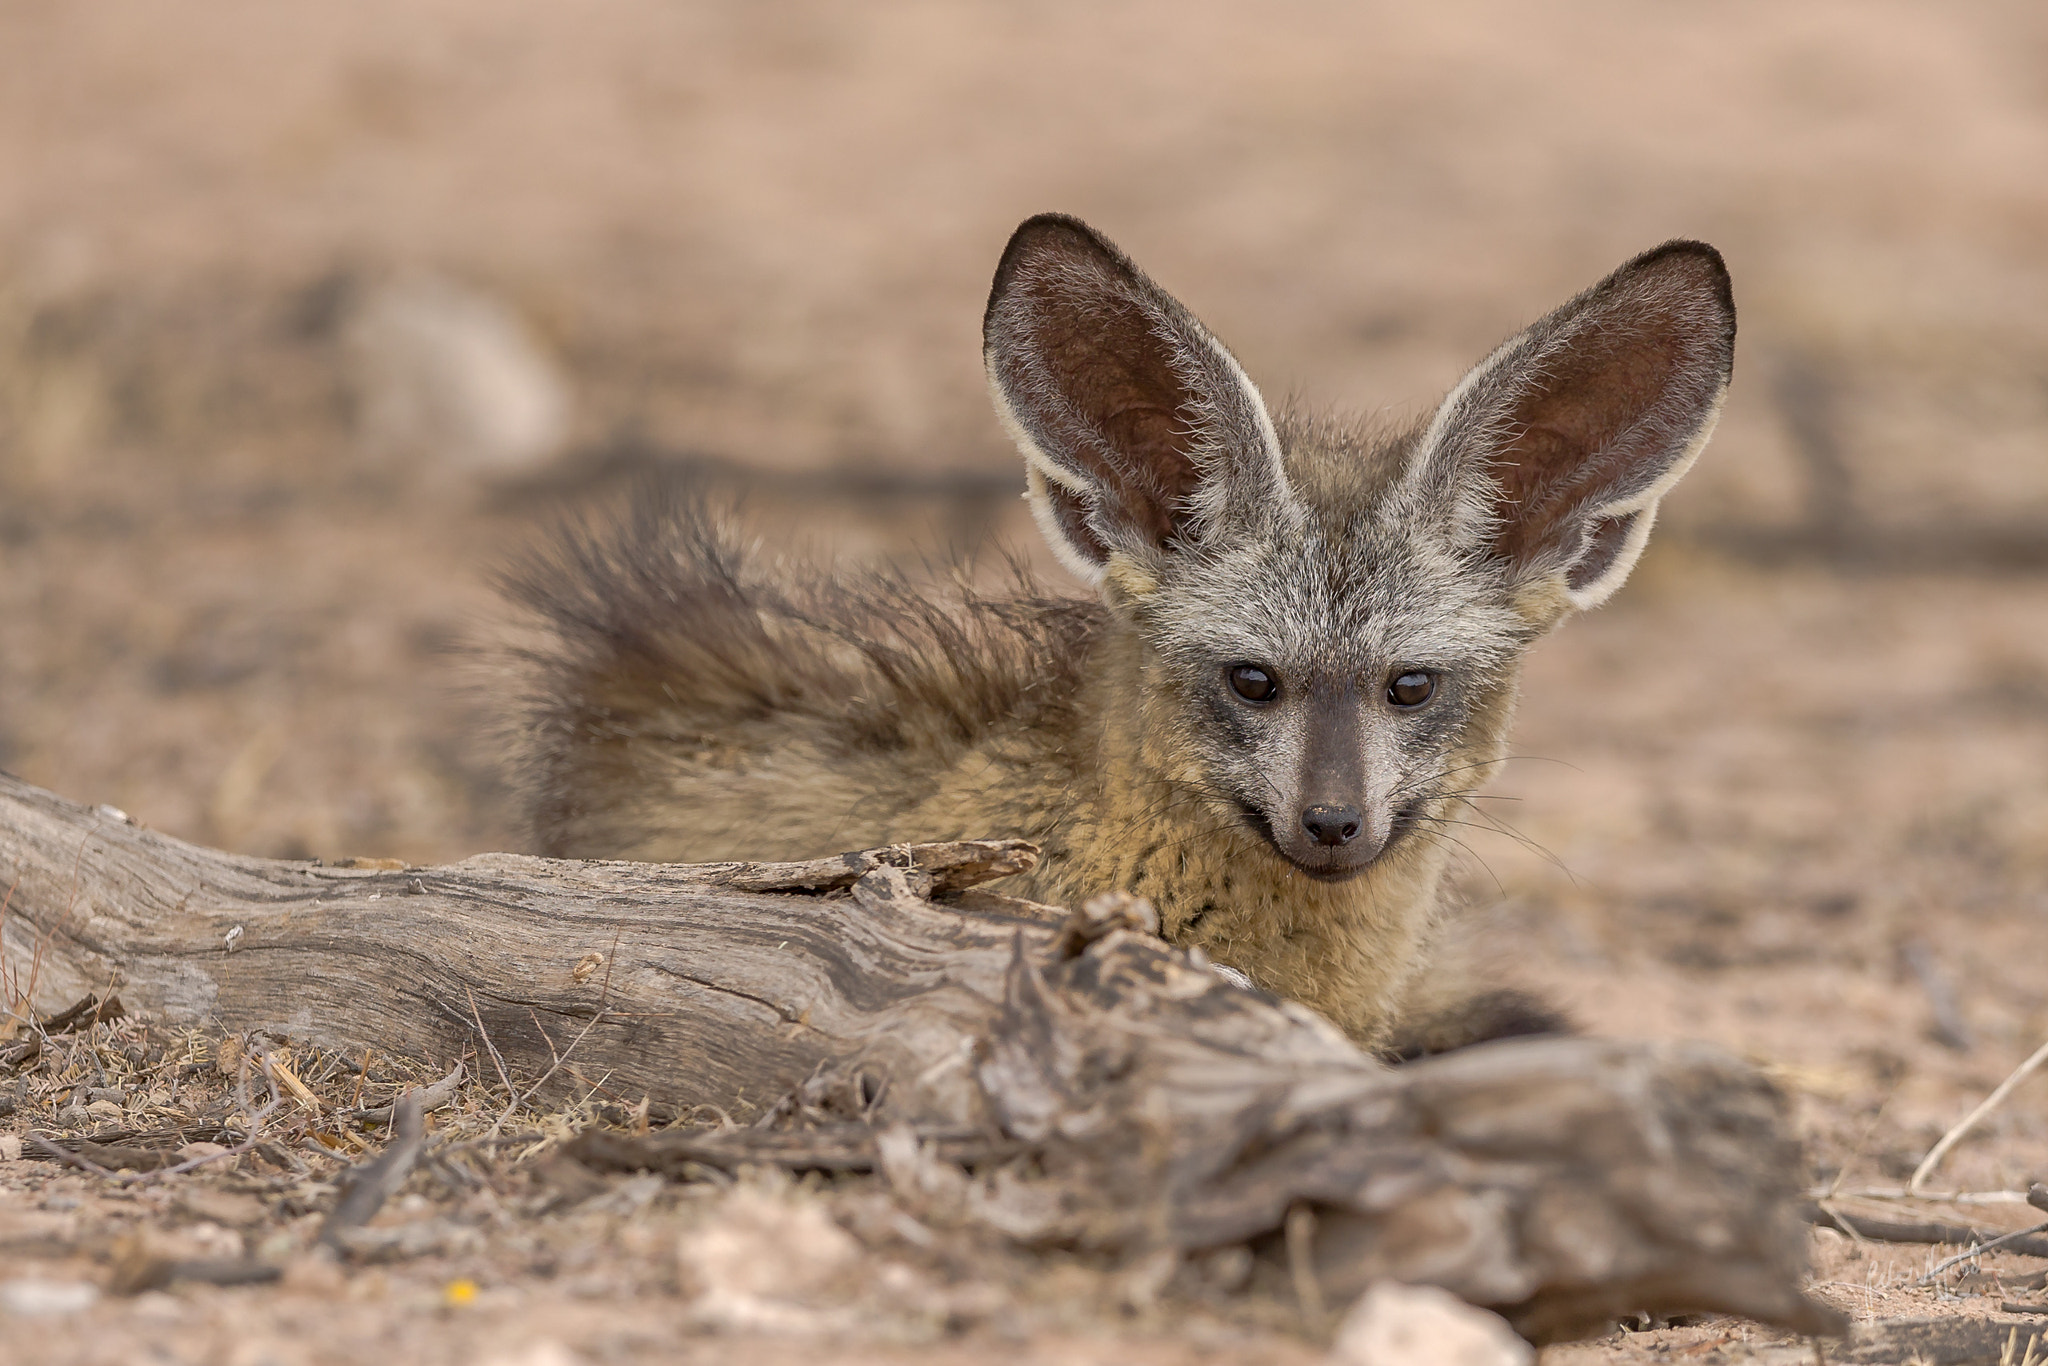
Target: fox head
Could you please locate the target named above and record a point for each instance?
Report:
(1331, 625)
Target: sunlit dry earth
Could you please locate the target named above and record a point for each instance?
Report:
(1783, 794)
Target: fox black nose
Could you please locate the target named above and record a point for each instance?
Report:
(1331, 824)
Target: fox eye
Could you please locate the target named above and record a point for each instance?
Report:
(1253, 684)
(1411, 689)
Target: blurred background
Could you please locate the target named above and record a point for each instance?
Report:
(311, 315)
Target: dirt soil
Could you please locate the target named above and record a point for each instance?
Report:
(1786, 793)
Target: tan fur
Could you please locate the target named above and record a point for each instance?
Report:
(1105, 783)
(700, 703)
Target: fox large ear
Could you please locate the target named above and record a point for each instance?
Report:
(1139, 431)
(1555, 450)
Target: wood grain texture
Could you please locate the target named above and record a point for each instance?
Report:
(1077, 1083)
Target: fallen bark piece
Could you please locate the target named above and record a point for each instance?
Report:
(90, 1011)
(1124, 1096)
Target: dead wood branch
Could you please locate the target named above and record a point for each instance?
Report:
(431, 1097)
(836, 1148)
(2007, 1241)
(368, 1185)
(88, 1012)
(1891, 1231)
(1128, 1097)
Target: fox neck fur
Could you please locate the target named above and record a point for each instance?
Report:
(1129, 811)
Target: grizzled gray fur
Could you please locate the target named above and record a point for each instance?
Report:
(1299, 663)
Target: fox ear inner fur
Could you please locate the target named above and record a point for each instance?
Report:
(1555, 449)
(1140, 432)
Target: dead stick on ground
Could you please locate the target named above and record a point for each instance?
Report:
(546, 1076)
(372, 1183)
(1300, 1232)
(1980, 1250)
(432, 1097)
(1865, 1229)
(1969, 1121)
(511, 1091)
(604, 997)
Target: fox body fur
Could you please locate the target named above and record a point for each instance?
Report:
(1299, 663)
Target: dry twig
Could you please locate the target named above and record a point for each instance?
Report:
(1970, 1121)
(432, 1097)
(370, 1184)
(1886, 1231)
(1300, 1235)
(1992, 1245)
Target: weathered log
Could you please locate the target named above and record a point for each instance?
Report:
(1114, 1092)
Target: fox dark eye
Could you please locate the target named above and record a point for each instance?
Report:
(1411, 689)
(1253, 684)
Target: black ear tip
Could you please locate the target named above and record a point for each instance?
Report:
(1052, 224)
(1041, 244)
(1053, 234)
(1685, 257)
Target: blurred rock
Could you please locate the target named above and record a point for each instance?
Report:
(545, 1352)
(1418, 1325)
(765, 1262)
(446, 374)
(33, 1297)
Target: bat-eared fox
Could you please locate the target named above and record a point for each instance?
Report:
(1298, 664)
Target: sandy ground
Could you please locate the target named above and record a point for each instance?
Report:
(1803, 751)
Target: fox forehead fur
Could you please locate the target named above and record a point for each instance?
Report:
(1299, 664)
